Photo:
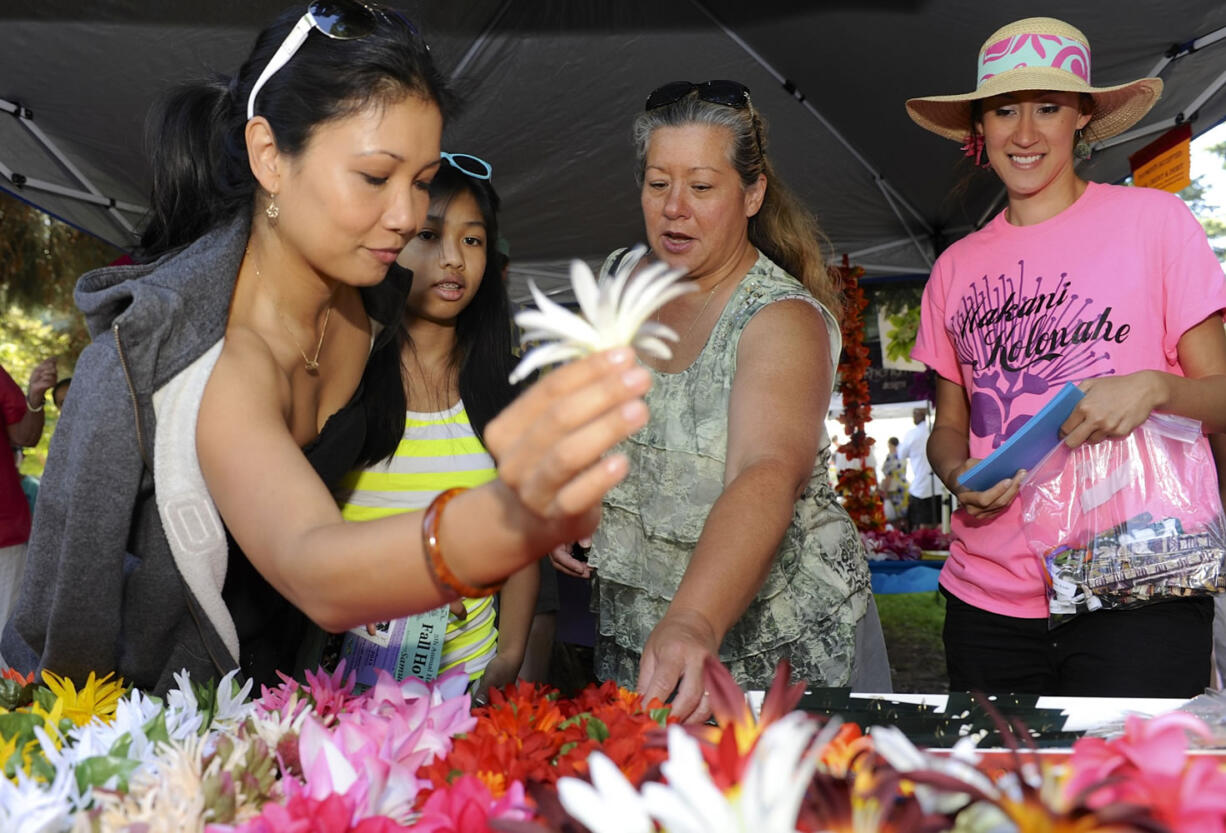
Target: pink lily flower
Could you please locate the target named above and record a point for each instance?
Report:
(466, 806)
(1149, 766)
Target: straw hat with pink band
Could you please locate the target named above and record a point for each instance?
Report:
(1038, 53)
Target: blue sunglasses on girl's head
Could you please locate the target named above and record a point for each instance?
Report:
(466, 163)
(338, 19)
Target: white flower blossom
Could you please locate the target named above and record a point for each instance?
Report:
(770, 792)
(165, 796)
(767, 801)
(133, 713)
(615, 313)
(183, 717)
(233, 705)
(29, 806)
(607, 805)
(900, 753)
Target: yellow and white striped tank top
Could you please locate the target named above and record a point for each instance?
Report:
(438, 451)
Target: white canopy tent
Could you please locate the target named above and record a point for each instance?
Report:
(552, 86)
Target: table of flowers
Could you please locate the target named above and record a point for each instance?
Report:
(318, 756)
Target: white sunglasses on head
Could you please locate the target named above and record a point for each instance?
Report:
(338, 19)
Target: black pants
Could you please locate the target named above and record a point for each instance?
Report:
(1159, 650)
(924, 511)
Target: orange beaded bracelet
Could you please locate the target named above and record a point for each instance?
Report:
(434, 552)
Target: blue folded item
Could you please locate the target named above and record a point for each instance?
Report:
(904, 576)
(1028, 445)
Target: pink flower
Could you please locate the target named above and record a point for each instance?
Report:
(378, 742)
(374, 770)
(332, 693)
(283, 699)
(1149, 766)
(303, 814)
(467, 806)
(440, 709)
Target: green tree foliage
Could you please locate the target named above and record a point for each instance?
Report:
(25, 340)
(40, 261)
(1210, 216)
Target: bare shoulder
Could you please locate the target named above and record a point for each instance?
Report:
(247, 375)
(793, 326)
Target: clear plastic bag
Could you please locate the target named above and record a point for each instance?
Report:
(1127, 521)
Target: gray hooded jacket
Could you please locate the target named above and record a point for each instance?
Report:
(102, 590)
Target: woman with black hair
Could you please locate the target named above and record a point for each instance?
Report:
(187, 519)
(449, 371)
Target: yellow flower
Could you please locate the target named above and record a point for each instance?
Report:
(51, 721)
(7, 748)
(97, 698)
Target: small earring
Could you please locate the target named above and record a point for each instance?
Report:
(1081, 147)
(272, 212)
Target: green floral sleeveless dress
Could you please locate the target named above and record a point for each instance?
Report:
(818, 588)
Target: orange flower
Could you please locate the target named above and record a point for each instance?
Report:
(528, 734)
(846, 750)
(16, 676)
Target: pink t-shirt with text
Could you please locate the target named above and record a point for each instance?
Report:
(1011, 313)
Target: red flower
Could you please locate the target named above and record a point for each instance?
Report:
(528, 734)
(728, 746)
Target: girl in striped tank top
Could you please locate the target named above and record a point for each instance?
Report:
(432, 398)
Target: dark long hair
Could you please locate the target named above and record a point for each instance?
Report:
(201, 174)
(483, 349)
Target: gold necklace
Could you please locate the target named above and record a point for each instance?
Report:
(312, 362)
(701, 312)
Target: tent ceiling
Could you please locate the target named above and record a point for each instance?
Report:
(552, 86)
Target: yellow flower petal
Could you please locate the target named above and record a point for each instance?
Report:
(97, 698)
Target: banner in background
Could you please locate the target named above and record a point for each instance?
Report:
(1166, 162)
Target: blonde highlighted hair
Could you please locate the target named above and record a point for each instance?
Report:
(783, 229)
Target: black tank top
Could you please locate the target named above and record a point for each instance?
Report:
(271, 631)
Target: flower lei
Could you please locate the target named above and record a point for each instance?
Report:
(409, 755)
(857, 484)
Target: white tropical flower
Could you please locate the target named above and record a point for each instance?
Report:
(271, 727)
(779, 772)
(133, 713)
(615, 313)
(607, 805)
(899, 752)
(29, 806)
(183, 717)
(166, 796)
(767, 800)
(233, 703)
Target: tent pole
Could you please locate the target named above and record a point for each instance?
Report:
(889, 201)
(894, 244)
(1156, 127)
(1192, 109)
(480, 40)
(886, 188)
(880, 247)
(887, 269)
(1187, 114)
(991, 209)
(91, 194)
(1182, 50)
(74, 193)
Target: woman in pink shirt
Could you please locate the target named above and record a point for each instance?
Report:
(1112, 287)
